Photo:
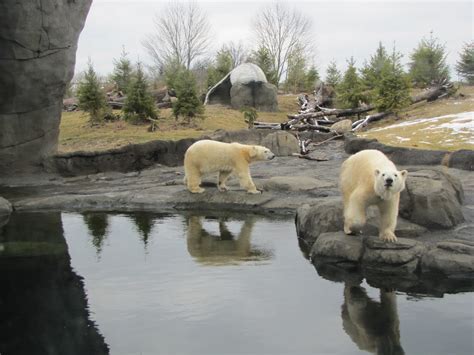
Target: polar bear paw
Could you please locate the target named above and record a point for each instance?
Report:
(388, 236)
(199, 190)
(254, 192)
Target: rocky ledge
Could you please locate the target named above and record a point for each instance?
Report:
(436, 227)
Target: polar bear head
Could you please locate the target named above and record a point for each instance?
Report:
(389, 181)
(258, 152)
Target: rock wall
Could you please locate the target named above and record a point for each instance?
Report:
(459, 159)
(38, 43)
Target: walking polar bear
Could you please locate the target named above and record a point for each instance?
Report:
(207, 156)
(370, 178)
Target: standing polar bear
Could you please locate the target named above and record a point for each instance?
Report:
(207, 156)
(370, 178)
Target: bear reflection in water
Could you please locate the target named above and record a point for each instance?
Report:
(225, 248)
(372, 325)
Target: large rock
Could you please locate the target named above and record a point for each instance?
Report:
(38, 42)
(338, 246)
(433, 199)
(281, 143)
(342, 127)
(246, 85)
(400, 256)
(453, 256)
(323, 216)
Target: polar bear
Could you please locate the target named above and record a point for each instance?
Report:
(370, 178)
(207, 156)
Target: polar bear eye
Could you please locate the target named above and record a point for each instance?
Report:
(383, 174)
(396, 175)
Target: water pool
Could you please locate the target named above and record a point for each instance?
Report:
(145, 283)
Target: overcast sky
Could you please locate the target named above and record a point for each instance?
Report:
(341, 28)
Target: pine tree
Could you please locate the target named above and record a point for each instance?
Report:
(187, 104)
(90, 95)
(465, 65)
(296, 72)
(371, 72)
(428, 63)
(123, 72)
(139, 104)
(349, 92)
(392, 90)
(333, 75)
(311, 78)
(262, 58)
(223, 65)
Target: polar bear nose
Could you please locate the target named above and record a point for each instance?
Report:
(389, 181)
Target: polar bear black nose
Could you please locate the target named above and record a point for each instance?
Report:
(389, 181)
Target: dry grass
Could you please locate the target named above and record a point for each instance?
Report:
(77, 134)
(424, 135)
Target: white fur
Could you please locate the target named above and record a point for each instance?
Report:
(207, 156)
(365, 180)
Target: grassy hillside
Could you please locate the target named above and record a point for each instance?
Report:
(77, 134)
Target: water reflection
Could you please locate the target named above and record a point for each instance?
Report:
(223, 248)
(144, 221)
(43, 306)
(98, 225)
(372, 325)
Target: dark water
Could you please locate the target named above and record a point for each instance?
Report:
(150, 284)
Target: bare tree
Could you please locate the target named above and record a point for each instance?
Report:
(182, 35)
(280, 31)
(237, 52)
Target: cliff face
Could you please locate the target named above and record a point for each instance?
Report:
(38, 43)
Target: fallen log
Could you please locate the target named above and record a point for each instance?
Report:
(433, 93)
(370, 118)
(332, 112)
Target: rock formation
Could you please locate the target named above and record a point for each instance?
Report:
(38, 42)
(246, 85)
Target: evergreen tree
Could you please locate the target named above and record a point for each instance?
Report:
(333, 75)
(263, 59)
(298, 76)
(350, 92)
(371, 72)
(465, 65)
(311, 78)
(187, 104)
(90, 95)
(223, 65)
(123, 72)
(392, 90)
(428, 63)
(139, 104)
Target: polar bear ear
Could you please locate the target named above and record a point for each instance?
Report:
(377, 172)
(404, 174)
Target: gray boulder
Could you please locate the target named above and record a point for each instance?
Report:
(452, 256)
(342, 127)
(323, 216)
(281, 143)
(38, 42)
(338, 245)
(245, 85)
(433, 199)
(294, 183)
(401, 256)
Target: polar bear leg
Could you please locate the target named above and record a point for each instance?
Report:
(388, 219)
(193, 180)
(223, 176)
(354, 213)
(246, 180)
